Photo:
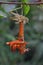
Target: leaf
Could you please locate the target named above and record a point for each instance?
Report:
(41, 5)
(24, 0)
(1, 16)
(26, 8)
(1, 31)
(2, 10)
(8, 36)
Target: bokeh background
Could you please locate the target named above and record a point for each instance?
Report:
(33, 31)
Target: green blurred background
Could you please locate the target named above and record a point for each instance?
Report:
(33, 31)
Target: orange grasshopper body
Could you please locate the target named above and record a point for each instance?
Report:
(19, 44)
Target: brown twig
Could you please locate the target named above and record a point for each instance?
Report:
(19, 3)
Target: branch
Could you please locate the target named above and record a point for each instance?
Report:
(19, 3)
